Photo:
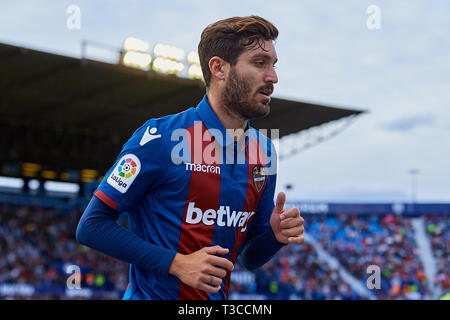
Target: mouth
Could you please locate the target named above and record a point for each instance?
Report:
(266, 93)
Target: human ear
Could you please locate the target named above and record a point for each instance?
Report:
(218, 67)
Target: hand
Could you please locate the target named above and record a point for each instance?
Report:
(287, 225)
(201, 269)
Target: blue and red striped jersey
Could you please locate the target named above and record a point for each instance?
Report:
(186, 184)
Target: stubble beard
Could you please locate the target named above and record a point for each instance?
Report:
(239, 100)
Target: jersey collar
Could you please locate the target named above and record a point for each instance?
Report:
(211, 121)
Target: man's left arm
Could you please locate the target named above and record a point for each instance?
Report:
(272, 228)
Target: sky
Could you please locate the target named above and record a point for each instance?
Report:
(391, 60)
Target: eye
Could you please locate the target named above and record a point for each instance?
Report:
(260, 63)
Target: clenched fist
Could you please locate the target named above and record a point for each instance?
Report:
(202, 269)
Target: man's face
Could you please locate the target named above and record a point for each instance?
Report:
(250, 82)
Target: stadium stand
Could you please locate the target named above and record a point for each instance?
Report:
(295, 273)
(359, 242)
(80, 105)
(438, 230)
(37, 245)
(93, 105)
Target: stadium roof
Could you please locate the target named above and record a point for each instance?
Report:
(63, 112)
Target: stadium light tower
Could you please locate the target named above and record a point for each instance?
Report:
(195, 70)
(168, 59)
(414, 173)
(135, 54)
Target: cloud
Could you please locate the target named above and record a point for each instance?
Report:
(409, 123)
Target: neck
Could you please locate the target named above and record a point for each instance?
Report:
(231, 121)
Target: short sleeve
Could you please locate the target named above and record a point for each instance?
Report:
(139, 168)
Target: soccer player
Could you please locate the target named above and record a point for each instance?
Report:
(199, 186)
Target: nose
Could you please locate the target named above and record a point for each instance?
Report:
(271, 75)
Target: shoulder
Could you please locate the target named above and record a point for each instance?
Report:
(171, 122)
(157, 132)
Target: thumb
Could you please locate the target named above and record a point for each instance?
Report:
(279, 206)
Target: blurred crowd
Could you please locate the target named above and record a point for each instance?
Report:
(296, 272)
(438, 230)
(37, 245)
(387, 242)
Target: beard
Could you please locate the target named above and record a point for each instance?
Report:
(239, 99)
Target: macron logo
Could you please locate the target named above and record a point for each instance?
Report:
(223, 217)
(149, 135)
(202, 168)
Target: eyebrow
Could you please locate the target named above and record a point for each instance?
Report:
(265, 56)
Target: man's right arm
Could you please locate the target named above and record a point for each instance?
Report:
(99, 230)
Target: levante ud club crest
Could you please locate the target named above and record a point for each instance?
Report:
(259, 177)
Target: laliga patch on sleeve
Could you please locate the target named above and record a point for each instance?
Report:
(125, 172)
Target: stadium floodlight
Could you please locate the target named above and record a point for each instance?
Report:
(167, 66)
(34, 184)
(168, 52)
(139, 60)
(10, 182)
(56, 186)
(135, 44)
(193, 58)
(88, 175)
(64, 176)
(195, 71)
(49, 174)
(30, 169)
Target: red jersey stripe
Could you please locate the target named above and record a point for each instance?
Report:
(254, 156)
(204, 191)
(107, 200)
